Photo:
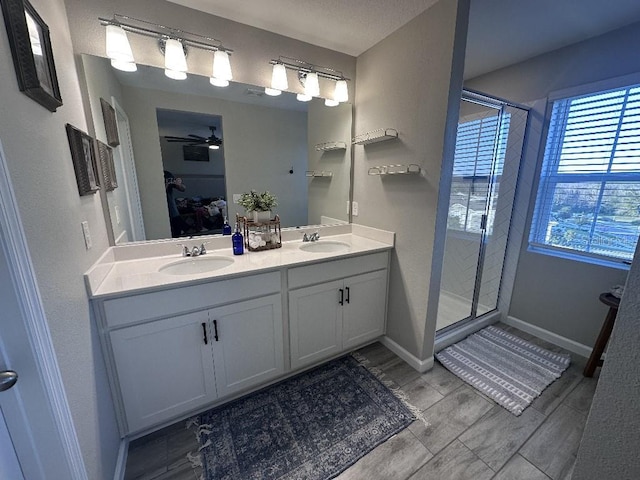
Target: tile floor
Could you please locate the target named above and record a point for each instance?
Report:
(469, 437)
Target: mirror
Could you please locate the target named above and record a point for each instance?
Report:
(268, 143)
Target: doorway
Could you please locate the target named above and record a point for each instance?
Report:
(489, 143)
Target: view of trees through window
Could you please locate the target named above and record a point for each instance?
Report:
(589, 195)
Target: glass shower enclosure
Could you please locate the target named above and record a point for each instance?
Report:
(489, 146)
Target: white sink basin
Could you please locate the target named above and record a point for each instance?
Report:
(325, 246)
(191, 266)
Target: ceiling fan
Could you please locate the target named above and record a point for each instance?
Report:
(212, 141)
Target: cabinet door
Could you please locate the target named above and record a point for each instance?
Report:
(364, 307)
(315, 317)
(164, 368)
(249, 347)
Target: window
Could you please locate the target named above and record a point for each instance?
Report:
(589, 195)
(474, 172)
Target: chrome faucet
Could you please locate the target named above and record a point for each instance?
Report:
(314, 237)
(194, 252)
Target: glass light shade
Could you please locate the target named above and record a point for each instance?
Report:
(174, 58)
(124, 66)
(279, 77)
(312, 85)
(218, 82)
(331, 103)
(118, 47)
(301, 97)
(214, 147)
(222, 66)
(272, 91)
(175, 75)
(341, 93)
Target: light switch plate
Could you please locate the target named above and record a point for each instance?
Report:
(236, 198)
(354, 208)
(87, 234)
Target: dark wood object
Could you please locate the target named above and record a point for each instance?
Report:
(595, 360)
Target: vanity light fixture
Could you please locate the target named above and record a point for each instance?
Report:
(173, 43)
(309, 76)
(273, 92)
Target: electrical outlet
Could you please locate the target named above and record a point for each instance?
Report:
(87, 234)
(354, 208)
(117, 212)
(236, 198)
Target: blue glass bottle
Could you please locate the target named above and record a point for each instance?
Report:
(226, 228)
(238, 241)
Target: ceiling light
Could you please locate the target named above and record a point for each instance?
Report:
(124, 66)
(342, 91)
(279, 77)
(311, 84)
(218, 82)
(301, 97)
(214, 147)
(221, 69)
(118, 47)
(272, 91)
(331, 103)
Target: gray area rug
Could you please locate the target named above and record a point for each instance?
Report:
(311, 426)
(504, 367)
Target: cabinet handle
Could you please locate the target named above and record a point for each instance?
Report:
(341, 301)
(348, 295)
(215, 330)
(204, 332)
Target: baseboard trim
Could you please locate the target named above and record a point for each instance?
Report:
(559, 340)
(420, 365)
(121, 463)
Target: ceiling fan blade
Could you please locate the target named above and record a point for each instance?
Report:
(197, 136)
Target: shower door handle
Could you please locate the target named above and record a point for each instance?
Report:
(483, 222)
(8, 379)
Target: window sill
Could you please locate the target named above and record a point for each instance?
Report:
(603, 262)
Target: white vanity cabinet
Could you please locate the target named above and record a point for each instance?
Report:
(163, 368)
(330, 317)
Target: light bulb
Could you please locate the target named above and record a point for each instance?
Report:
(341, 93)
(214, 147)
(279, 77)
(175, 75)
(174, 58)
(311, 85)
(118, 47)
(124, 66)
(301, 97)
(272, 91)
(218, 82)
(331, 103)
(221, 66)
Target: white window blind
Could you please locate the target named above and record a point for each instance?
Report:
(474, 172)
(589, 195)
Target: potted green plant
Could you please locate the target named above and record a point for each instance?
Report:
(258, 205)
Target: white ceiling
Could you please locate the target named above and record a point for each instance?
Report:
(501, 32)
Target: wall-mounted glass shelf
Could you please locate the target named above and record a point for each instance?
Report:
(330, 146)
(318, 173)
(374, 136)
(412, 168)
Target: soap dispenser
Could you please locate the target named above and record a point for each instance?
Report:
(226, 228)
(238, 241)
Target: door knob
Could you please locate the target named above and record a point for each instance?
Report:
(8, 379)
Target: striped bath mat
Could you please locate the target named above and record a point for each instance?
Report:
(506, 368)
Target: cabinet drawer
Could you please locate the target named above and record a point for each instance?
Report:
(337, 269)
(127, 310)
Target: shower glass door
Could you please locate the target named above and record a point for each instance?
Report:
(486, 164)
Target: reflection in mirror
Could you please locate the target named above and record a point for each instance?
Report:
(268, 143)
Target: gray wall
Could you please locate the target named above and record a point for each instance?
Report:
(328, 195)
(557, 294)
(403, 82)
(102, 83)
(39, 161)
(609, 447)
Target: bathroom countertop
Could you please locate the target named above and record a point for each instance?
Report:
(111, 278)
